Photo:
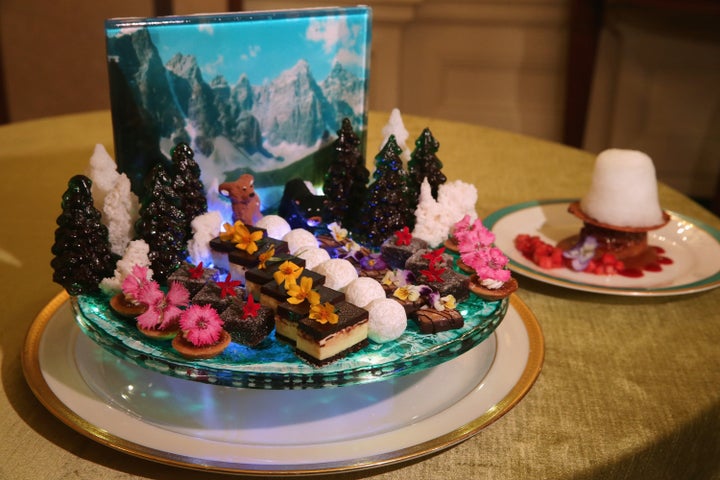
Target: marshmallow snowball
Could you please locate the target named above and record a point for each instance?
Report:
(387, 320)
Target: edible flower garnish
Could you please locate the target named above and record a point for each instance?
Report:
(230, 233)
(196, 272)
(373, 261)
(398, 277)
(488, 263)
(403, 237)
(299, 293)
(201, 325)
(324, 313)
(245, 240)
(133, 283)
(433, 273)
(163, 309)
(441, 303)
(581, 254)
(408, 293)
(287, 274)
(338, 233)
(264, 257)
(434, 256)
(227, 287)
(251, 308)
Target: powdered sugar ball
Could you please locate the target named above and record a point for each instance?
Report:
(313, 256)
(387, 320)
(277, 227)
(298, 238)
(623, 191)
(338, 273)
(363, 290)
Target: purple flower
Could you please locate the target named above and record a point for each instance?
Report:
(582, 253)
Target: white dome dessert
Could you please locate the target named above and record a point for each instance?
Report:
(623, 191)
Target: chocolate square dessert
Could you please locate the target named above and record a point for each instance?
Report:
(447, 281)
(211, 294)
(250, 330)
(323, 343)
(192, 277)
(396, 255)
(289, 314)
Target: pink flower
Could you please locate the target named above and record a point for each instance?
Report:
(488, 263)
(475, 238)
(163, 310)
(134, 282)
(201, 325)
(461, 227)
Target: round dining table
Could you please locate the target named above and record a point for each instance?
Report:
(628, 385)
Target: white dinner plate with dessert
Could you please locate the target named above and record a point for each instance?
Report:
(692, 247)
(273, 432)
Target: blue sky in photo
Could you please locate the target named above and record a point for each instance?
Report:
(264, 47)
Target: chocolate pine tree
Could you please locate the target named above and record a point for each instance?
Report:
(162, 224)
(187, 184)
(82, 247)
(386, 208)
(425, 164)
(347, 177)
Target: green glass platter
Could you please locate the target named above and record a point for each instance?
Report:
(274, 365)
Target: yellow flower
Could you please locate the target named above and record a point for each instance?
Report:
(407, 292)
(287, 273)
(449, 302)
(337, 232)
(264, 257)
(324, 313)
(300, 293)
(244, 240)
(230, 233)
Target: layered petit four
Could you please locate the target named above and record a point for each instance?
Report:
(331, 332)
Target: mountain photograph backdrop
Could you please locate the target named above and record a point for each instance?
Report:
(258, 93)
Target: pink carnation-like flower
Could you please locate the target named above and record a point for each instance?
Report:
(133, 283)
(462, 227)
(201, 325)
(475, 238)
(163, 309)
(488, 263)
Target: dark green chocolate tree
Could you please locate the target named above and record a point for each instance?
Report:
(346, 179)
(186, 183)
(162, 224)
(386, 208)
(425, 164)
(82, 246)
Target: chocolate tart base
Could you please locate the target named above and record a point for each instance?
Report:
(125, 308)
(192, 352)
(492, 294)
(160, 334)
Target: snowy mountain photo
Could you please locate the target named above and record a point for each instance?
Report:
(258, 93)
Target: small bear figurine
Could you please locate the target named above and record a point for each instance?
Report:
(245, 202)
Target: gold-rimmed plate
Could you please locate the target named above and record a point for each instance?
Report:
(693, 247)
(259, 432)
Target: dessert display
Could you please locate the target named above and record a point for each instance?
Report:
(333, 282)
(619, 209)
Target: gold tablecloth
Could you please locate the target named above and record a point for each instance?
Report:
(630, 387)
